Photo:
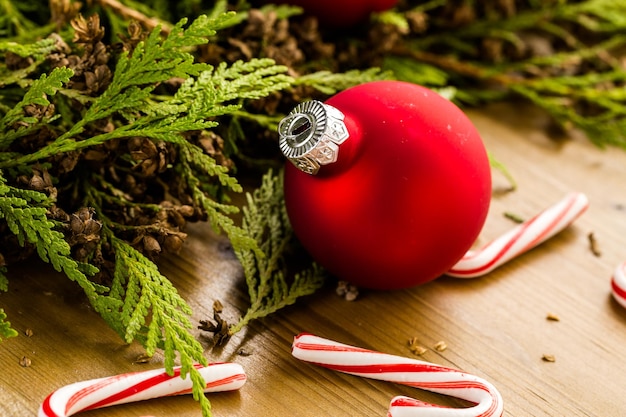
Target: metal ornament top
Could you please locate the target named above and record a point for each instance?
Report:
(310, 135)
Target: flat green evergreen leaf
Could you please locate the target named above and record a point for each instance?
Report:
(606, 127)
(265, 219)
(152, 62)
(410, 70)
(193, 166)
(330, 83)
(392, 17)
(202, 163)
(496, 164)
(205, 94)
(197, 101)
(283, 11)
(218, 91)
(37, 49)
(25, 214)
(4, 281)
(145, 290)
(37, 93)
(6, 331)
(252, 79)
(153, 312)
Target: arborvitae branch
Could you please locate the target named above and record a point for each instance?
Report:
(331, 83)
(37, 94)
(563, 56)
(25, 214)
(265, 219)
(6, 331)
(141, 291)
(141, 303)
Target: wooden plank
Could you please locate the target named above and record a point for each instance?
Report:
(494, 326)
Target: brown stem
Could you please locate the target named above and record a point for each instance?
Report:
(454, 65)
(128, 13)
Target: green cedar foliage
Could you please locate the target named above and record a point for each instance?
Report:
(37, 51)
(37, 94)
(138, 290)
(6, 331)
(331, 83)
(265, 219)
(138, 302)
(25, 214)
(130, 93)
(564, 56)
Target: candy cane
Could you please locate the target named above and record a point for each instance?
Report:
(412, 372)
(137, 386)
(618, 284)
(521, 238)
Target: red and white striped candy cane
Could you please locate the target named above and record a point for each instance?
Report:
(521, 238)
(137, 386)
(618, 284)
(415, 373)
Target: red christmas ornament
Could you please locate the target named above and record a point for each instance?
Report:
(341, 13)
(389, 184)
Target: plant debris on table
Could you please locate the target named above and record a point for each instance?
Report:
(120, 122)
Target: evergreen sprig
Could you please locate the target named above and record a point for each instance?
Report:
(15, 123)
(25, 214)
(152, 62)
(218, 213)
(141, 303)
(267, 276)
(608, 123)
(329, 83)
(6, 331)
(37, 50)
(576, 74)
(4, 281)
(160, 94)
(140, 291)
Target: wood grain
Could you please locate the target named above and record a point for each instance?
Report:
(494, 327)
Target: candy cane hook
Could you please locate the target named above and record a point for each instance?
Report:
(137, 386)
(521, 238)
(618, 284)
(412, 372)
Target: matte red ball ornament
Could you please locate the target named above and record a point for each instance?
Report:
(341, 13)
(389, 183)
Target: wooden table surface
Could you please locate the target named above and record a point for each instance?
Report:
(495, 327)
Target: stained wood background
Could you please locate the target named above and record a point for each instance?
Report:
(495, 326)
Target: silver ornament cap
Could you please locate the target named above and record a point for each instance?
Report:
(310, 135)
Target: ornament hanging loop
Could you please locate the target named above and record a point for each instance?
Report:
(310, 135)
